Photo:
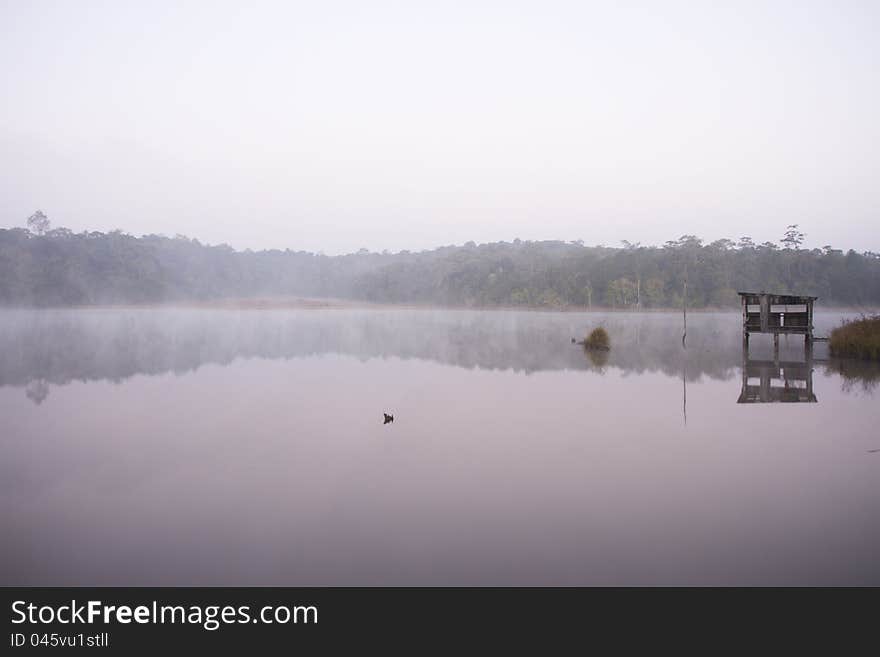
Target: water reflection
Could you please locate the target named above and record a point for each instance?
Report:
(598, 358)
(514, 458)
(37, 391)
(39, 349)
(773, 380)
(856, 374)
(765, 381)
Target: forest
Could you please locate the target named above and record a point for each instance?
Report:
(44, 266)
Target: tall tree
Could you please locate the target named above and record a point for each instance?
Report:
(38, 223)
(793, 238)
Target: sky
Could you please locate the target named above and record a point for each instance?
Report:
(337, 125)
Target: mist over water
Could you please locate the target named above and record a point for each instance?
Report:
(194, 446)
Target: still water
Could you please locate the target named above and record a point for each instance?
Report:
(223, 447)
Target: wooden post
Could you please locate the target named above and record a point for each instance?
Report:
(684, 306)
(765, 384)
(808, 348)
(765, 312)
(809, 335)
(809, 359)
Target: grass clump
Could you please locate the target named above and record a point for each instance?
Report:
(598, 339)
(857, 338)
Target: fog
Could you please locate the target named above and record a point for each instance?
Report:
(62, 346)
(389, 125)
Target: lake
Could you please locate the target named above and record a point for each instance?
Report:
(164, 446)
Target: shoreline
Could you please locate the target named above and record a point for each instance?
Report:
(315, 303)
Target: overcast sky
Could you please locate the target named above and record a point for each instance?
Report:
(330, 126)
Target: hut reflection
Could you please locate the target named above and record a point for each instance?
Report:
(768, 381)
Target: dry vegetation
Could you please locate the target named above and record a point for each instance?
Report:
(859, 338)
(598, 339)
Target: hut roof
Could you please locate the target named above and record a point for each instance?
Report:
(783, 298)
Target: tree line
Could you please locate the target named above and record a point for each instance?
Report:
(45, 266)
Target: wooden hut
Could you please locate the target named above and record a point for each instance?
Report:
(777, 314)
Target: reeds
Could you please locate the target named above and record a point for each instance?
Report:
(857, 338)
